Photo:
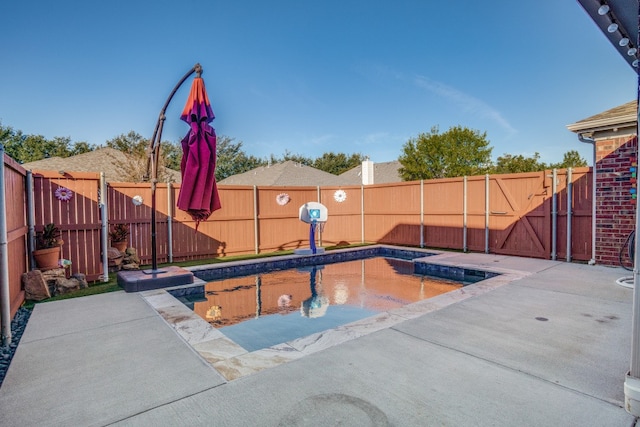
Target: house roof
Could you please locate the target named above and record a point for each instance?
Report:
(621, 116)
(287, 173)
(382, 173)
(107, 160)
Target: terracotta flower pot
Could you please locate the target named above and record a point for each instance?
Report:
(121, 246)
(47, 259)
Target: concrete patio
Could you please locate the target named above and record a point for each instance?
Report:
(549, 346)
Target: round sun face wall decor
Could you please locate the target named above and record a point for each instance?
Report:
(340, 196)
(282, 199)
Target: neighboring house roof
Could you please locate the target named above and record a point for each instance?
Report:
(287, 173)
(383, 173)
(625, 115)
(107, 160)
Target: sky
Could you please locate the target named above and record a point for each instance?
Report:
(309, 77)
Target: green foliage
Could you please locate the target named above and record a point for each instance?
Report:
(119, 233)
(172, 154)
(337, 163)
(29, 148)
(288, 156)
(231, 159)
(131, 143)
(571, 159)
(457, 152)
(508, 163)
(136, 167)
(48, 237)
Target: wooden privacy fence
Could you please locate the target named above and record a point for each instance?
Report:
(529, 214)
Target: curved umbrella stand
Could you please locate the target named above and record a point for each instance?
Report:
(153, 154)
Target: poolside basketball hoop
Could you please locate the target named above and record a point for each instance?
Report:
(315, 214)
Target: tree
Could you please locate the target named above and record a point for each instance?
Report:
(231, 159)
(337, 163)
(29, 148)
(135, 167)
(288, 156)
(508, 163)
(571, 159)
(457, 152)
(172, 154)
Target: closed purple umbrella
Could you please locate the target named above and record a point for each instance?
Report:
(198, 191)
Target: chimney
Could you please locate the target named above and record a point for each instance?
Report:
(367, 172)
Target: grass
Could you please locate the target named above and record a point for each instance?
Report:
(112, 285)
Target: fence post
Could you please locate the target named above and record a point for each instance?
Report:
(255, 220)
(362, 213)
(319, 228)
(464, 214)
(5, 299)
(31, 220)
(104, 226)
(569, 211)
(169, 222)
(486, 213)
(554, 214)
(422, 213)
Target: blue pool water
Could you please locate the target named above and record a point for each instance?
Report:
(270, 307)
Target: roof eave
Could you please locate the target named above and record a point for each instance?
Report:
(604, 124)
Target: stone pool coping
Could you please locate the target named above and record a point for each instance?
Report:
(232, 361)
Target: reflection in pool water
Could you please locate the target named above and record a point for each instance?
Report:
(262, 310)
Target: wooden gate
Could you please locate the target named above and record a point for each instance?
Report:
(520, 215)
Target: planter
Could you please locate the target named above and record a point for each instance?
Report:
(121, 246)
(47, 259)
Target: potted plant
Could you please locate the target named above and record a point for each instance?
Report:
(48, 243)
(118, 236)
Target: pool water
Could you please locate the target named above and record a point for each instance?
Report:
(266, 309)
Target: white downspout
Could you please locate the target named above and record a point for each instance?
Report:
(588, 140)
(5, 300)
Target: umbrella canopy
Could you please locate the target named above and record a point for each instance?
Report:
(198, 191)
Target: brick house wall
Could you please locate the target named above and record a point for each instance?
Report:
(615, 206)
(613, 134)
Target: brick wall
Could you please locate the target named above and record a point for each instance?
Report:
(615, 207)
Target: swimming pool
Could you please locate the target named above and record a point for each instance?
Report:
(233, 361)
(270, 307)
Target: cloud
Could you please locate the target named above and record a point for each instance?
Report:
(466, 102)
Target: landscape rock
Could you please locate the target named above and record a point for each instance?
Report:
(80, 277)
(115, 257)
(51, 277)
(64, 286)
(35, 286)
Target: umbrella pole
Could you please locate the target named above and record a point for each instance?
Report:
(153, 153)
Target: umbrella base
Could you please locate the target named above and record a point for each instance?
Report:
(308, 251)
(144, 280)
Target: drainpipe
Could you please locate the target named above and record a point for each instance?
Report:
(104, 227)
(31, 220)
(569, 212)
(632, 379)
(589, 140)
(5, 300)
